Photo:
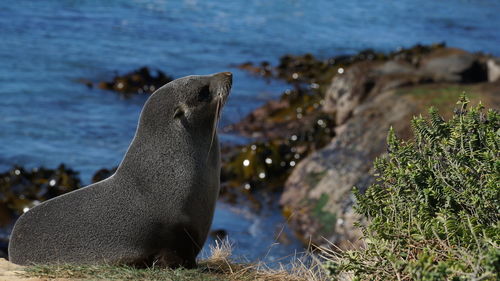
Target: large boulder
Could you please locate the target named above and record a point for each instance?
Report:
(454, 65)
(363, 80)
(317, 196)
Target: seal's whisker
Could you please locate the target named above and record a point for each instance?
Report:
(216, 122)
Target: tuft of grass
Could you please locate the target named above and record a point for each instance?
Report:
(218, 267)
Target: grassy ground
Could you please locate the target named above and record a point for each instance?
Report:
(218, 267)
(444, 96)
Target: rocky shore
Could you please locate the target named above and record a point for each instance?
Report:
(140, 81)
(314, 143)
(357, 99)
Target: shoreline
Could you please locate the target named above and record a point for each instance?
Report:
(313, 118)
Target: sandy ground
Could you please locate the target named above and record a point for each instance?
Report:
(12, 272)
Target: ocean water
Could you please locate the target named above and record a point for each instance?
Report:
(47, 117)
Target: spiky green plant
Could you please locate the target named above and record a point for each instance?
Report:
(433, 213)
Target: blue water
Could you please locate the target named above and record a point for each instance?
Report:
(46, 117)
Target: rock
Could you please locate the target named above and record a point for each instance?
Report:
(317, 197)
(301, 69)
(295, 110)
(136, 82)
(307, 69)
(413, 55)
(454, 65)
(419, 65)
(265, 163)
(348, 90)
(395, 67)
(21, 189)
(493, 69)
(264, 69)
(103, 174)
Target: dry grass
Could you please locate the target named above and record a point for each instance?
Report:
(219, 266)
(302, 267)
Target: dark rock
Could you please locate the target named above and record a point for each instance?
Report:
(413, 55)
(265, 164)
(21, 190)
(264, 69)
(103, 174)
(140, 81)
(282, 118)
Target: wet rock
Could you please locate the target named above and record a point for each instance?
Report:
(493, 65)
(301, 69)
(103, 174)
(266, 164)
(264, 69)
(140, 81)
(307, 69)
(21, 189)
(281, 118)
(414, 55)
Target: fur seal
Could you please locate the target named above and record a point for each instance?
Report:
(159, 204)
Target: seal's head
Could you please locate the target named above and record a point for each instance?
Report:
(190, 106)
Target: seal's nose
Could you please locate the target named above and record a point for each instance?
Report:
(224, 75)
(221, 84)
(225, 78)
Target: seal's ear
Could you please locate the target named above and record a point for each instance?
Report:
(178, 112)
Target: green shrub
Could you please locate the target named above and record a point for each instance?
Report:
(433, 213)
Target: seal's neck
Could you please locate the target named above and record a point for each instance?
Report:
(153, 162)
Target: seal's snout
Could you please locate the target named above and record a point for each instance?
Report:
(224, 78)
(222, 82)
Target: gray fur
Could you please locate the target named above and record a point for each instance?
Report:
(157, 207)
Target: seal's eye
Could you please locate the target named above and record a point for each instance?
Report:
(204, 94)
